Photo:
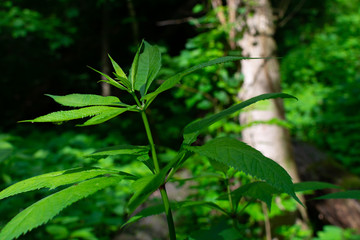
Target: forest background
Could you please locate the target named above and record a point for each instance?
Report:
(45, 47)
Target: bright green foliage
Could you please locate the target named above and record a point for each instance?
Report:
(54, 180)
(85, 100)
(230, 155)
(122, 149)
(242, 157)
(100, 113)
(45, 209)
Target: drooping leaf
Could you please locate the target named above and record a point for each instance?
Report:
(172, 81)
(45, 209)
(84, 100)
(54, 180)
(256, 190)
(122, 149)
(192, 130)
(62, 116)
(351, 194)
(242, 157)
(158, 209)
(104, 116)
(306, 186)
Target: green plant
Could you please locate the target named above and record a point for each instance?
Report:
(226, 154)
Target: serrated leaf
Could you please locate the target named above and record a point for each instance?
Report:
(172, 81)
(122, 149)
(308, 186)
(351, 194)
(62, 116)
(54, 180)
(193, 129)
(158, 209)
(42, 211)
(256, 190)
(104, 116)
(84, 100)
(242, 157)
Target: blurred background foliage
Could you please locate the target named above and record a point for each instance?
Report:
(46, 45)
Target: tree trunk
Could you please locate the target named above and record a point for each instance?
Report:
(262, 76)
(105, 65)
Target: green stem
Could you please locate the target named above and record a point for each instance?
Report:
(164, 195)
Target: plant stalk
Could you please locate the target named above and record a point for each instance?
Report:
(164, 196)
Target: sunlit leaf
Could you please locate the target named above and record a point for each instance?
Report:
(54, 180)
(84, 100)
(42, 211)
(242, 157)
(122, 149)
(104, 116)
(62, 116)
(192, 130)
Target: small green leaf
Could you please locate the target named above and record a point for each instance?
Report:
(122, 149)
(242, 157)
(351, 194)
(192, 130)
(110, 80)
(172, 81)
(54, 180)
(42, 211)
(62, 116)
(118, 69)
(84, 100)
(308, 186)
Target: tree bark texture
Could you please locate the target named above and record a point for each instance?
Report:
(262, 76)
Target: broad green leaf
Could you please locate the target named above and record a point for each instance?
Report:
(148, 67)
(242, 157)
(193, 129)
(122, 149)
(104, 116)
(54, 180)
(134, 67)
(84, 100)
(45, 209)
(62, 116)
(306, 186)
(172, 81)
(118, 69)
(158, 209)
(351, 194)
(256, 190)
